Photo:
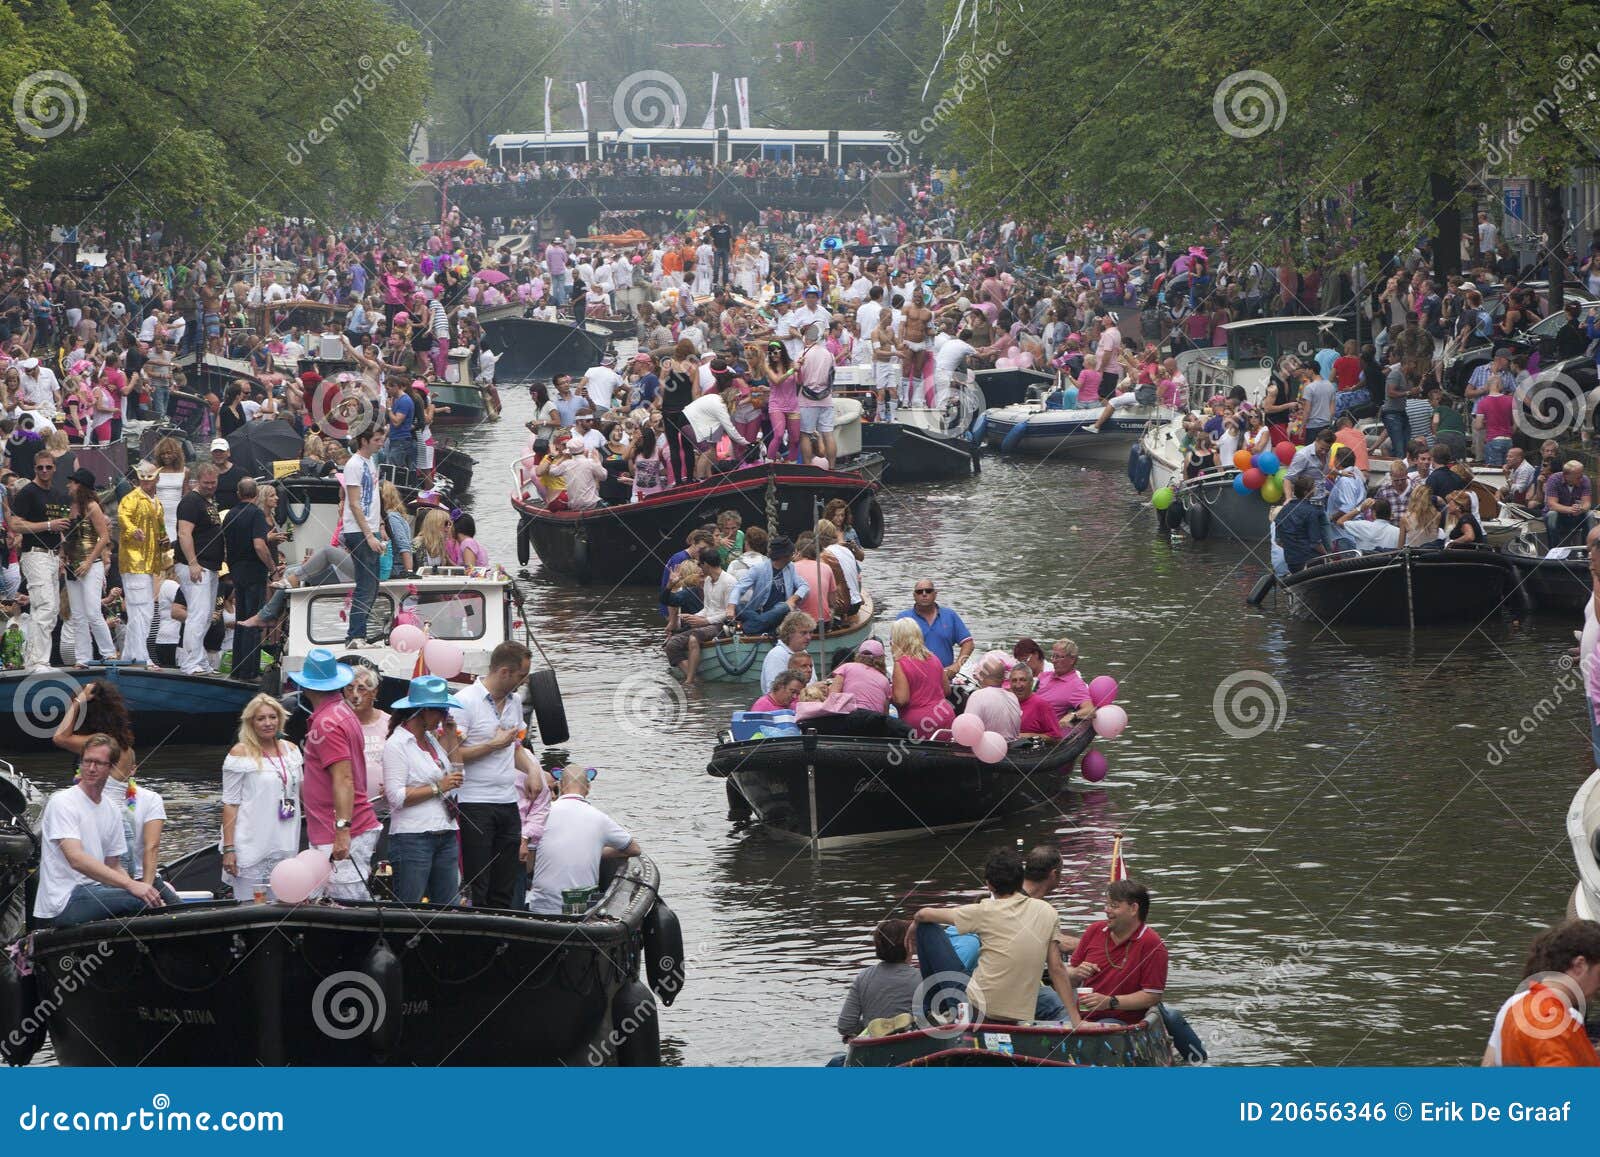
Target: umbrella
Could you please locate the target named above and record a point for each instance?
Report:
(257, 445)
(490, 276)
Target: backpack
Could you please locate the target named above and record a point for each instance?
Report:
(811, 392)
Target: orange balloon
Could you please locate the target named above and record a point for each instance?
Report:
(1241, 459)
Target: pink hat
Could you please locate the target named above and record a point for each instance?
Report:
(402, 316)
(870, 647)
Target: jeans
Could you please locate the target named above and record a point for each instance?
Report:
(366, 564)
(1494, 451)
(248, 595)
(763, 622)
(1184, 1038)
(158, 402)
(425, 864)
(719, 267)
(102, 902)
(1395, 422)
(491, 835)
(400, 452)
(1561, 527)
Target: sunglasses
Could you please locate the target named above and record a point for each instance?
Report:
(923, 591)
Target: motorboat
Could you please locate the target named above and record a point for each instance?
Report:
(1411, 587)
(1039, 428)
(736, 658)
(1583, 833)
(530, 348)
(834, 791)
(1103, 1044)
(1010, 386)
(1556, 580)
(919, 443)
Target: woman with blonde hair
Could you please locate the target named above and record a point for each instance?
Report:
(172, 481)
(431, 546)
(261, 779)
(921, 689)
(398, 528)
(1420, 527)
(361, 693)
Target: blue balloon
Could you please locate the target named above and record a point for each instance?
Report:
(1267, 462)
(1238, 484)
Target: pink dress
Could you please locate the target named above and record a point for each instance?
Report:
(927, 710)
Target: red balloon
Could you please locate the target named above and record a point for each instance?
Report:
(1254, 479)
(1285, 452)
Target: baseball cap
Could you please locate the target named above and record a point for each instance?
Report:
(870, 647)
(220, 444)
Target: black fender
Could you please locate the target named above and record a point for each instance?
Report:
(1138, 468)
(1198, 516)
(524, 523)
(382, 966)
(1262, 588)
(867, 517)
(549, 710)
(22, 1024)
(635, 1027)
(663, 952)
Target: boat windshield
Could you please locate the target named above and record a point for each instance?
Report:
(455, 615)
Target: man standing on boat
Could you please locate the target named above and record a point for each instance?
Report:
(143, 554)
(489, 718)
(943, 632)
(201, 543)
(363, 528)
(339, 819)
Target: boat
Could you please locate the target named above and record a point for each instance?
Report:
(1410, 587)
(833, 791)
(1008, 387)
(1557, 581)
(460, 404)
(453, 463)
(913, 453)
(738, 658)
(631, 542)
(373, 982)
(1035, 428)
(530, 348)
(1102, 1044)
(1583, 832)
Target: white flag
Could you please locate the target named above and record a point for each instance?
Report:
(711, 113)
(677, 115)
(741, 90)
(724, 116)
(547, 84)
(583, 102)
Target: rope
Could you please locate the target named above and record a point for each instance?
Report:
(731, 672)
(772, 505)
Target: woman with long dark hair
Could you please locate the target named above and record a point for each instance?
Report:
(677, 391)
(97, 709)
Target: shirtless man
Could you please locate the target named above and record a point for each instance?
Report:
(211, 315)
(914, 336)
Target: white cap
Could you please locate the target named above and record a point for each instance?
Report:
(220, 444)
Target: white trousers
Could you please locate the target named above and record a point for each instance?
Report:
(41, 568)
(200, 599)
(139, 596)
(88, 617)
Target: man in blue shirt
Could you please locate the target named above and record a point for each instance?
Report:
(401, 413)
(943, 632)
(1346, 497)
(768, 591)
(1301, 527)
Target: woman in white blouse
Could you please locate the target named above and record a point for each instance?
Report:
(260, 799)
(419, 769)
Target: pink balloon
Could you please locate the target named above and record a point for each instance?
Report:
(1004, 364)
(1025, 361)
(406, 639)
(407, 619)
(1094, 766)
(1109, 721)
(293, 881)
(1102, 690)
(991, 747)
(320, 863)
(443, 657)
(967, 729)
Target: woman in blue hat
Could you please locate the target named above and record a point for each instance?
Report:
(418, 774)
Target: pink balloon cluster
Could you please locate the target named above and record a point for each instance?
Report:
(1109, 722)
(295, 879)
(989, 746)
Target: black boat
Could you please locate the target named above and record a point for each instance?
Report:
(167, 707)
(631, 542)
(1008, 387)
(1097, 1043)
(1554, 584)
(1412, 587)
(838, 790)
(450, 461)
(912, 454)
(529, 348)
(369, 983)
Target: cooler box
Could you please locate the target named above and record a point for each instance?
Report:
(769, 723)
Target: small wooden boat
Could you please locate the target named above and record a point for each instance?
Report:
(1101, 1044)
(1583, 833)
(1412, 587)
(462, 404)
(738, 658)
(167, 707)
(838, 790)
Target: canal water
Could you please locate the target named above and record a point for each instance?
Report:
(1347, 855)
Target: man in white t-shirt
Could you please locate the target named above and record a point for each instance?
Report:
(691, 631)
(80, 862)
(600, 383)
(489, 719)
(946, 359)
(363, 534)
(1488, 235)
(577, 837)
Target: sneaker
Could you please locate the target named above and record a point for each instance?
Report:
(354, 644)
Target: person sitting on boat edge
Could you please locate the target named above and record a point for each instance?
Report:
(688, 632)
(1062, 685)
(1301, 527)
(581, 474)
(1375, 533)
(885, 991)
(1560, 976)
(993, 702)
(1520, 474)
(1347, 496)
(864, 677)
(83, 846)
(577, 837)
(1124, 961)
(794, 637)
(943, 632)
(1017, 932)
(768, 590)
(1568, 498)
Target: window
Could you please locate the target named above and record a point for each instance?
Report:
(329, 618)
(450, 614)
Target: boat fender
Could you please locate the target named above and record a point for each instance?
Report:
(1198, 516)
(738, 807)
(867, 517)
(289, 511)
(975, 434)
(663, 951)
(580, 558)
(977, 456)
(1014, 437)
(549, 710)
(1138, 468)
(635, 1027)
(22, 1026)
(522, 540)
(382, 966)
(1261, 589)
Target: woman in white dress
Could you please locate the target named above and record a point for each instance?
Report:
(261, 780)
(172, 483)
(703, 267)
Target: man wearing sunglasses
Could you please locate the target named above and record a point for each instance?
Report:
(40, 522)
(943, 632)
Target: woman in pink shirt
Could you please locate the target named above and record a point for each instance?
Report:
(864, 678)
(921, 688)
(1088, 381)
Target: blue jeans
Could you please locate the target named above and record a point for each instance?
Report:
(1399, 429)
(1563, 526)
(365, 560)
(158, 402)
(425, 864)
(558, 292)
(103, 902)
(400, 452)
(1494, 451)
(1594, 738)
(763, 622)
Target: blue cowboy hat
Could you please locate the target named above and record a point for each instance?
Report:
(428, 691)
(322, 672)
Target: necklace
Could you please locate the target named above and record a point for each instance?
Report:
(1126, 952)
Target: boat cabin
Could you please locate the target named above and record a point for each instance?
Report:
(1254, 348)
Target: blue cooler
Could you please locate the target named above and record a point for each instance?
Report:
(763, 725)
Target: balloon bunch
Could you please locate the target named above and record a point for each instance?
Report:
(989, 746)
(1109, 722)
(294, 880)
(443, 658)
(1264, 473)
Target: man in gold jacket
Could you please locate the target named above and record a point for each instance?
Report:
(143, 555)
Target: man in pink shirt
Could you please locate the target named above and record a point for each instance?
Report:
(1061, 686)
(1493, 414)
(1109, 355)
(1038, 717)
(818, 601)
(339, 819)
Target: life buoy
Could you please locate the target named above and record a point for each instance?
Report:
(524, 525)
(867, 517)
(1014, 437)
(1138, 468)
(22, 1025)
(549, 710)
(635, 1027)
(383, 967)
(663, 952)
(1198, 516)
